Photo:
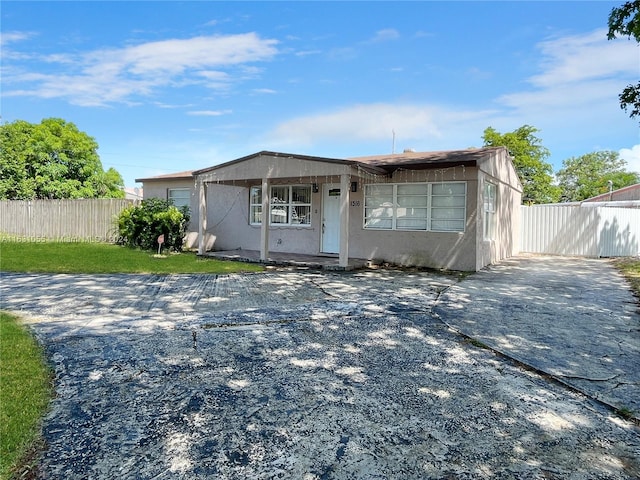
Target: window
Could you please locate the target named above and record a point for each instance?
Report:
(489, 208)
(255, 205)
(181, 197)
(378, 206)
(412, 209)
(288, 205)
(448, 202)
(439, 207)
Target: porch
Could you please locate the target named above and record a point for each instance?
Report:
(322, 262)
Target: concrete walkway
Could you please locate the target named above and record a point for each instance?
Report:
(277, 259)
(318, 375)
(572, 318)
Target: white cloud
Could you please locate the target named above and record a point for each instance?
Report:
(213, 75)
(564, 97)
(13, 37)
(573, 97)
(209, 113)
(385, 35)
(176, 56)
(632, 156)
(578, 58)
(375, 122)
(574, 92)
(359, 122)
(265, 91)
(105, 76)
(577, 71)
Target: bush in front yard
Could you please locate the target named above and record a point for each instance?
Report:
(141, 225)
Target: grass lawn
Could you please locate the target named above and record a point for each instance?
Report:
(630, 268)
(25, 386)
(25, 390)
(56, 257)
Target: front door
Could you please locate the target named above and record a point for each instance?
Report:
(331, 218)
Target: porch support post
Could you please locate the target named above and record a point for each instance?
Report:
(264, 226)
(345, 191)
(202, 217)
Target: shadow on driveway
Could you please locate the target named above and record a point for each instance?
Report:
(303, 375)
(573, 318)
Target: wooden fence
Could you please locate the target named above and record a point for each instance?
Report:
(580, 230)
(86, 220)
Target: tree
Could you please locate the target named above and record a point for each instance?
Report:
(589, 175)
(529, 157)
(52, 159)
(141, 225)
(625, 21)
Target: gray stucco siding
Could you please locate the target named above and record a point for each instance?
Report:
(228, 226)
(160, 189)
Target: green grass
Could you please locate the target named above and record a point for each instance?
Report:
(58, 257)
(630, 268)
(25, 390)
(25, 386)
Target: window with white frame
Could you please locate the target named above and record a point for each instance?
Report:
(489, 208)
(448, 206)
(438, 207)
(288, 205)
(181, 197)
(378, 207)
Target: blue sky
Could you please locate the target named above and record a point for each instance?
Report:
(171, 86)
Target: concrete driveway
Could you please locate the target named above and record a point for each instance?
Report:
(572, 318)
(306, 375)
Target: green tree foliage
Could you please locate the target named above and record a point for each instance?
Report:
(589, 175)
(52, 159)
(529, 158)
(141, 225)
(625, 21)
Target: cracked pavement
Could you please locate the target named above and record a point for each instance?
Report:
(572, 318)
(314, 375)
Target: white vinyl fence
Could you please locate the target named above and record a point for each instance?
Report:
(580, 230)
(62, 220)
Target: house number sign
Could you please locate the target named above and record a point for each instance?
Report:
(355, 203)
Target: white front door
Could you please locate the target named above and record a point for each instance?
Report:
(331, 218)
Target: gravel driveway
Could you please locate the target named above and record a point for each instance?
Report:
(296, 375)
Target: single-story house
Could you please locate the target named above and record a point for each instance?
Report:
(457, 210)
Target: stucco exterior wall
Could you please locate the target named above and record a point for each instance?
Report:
(160, 189)
(505, 242)
(229, 227)
(447, 250)
(228, 206)
(499, 171)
